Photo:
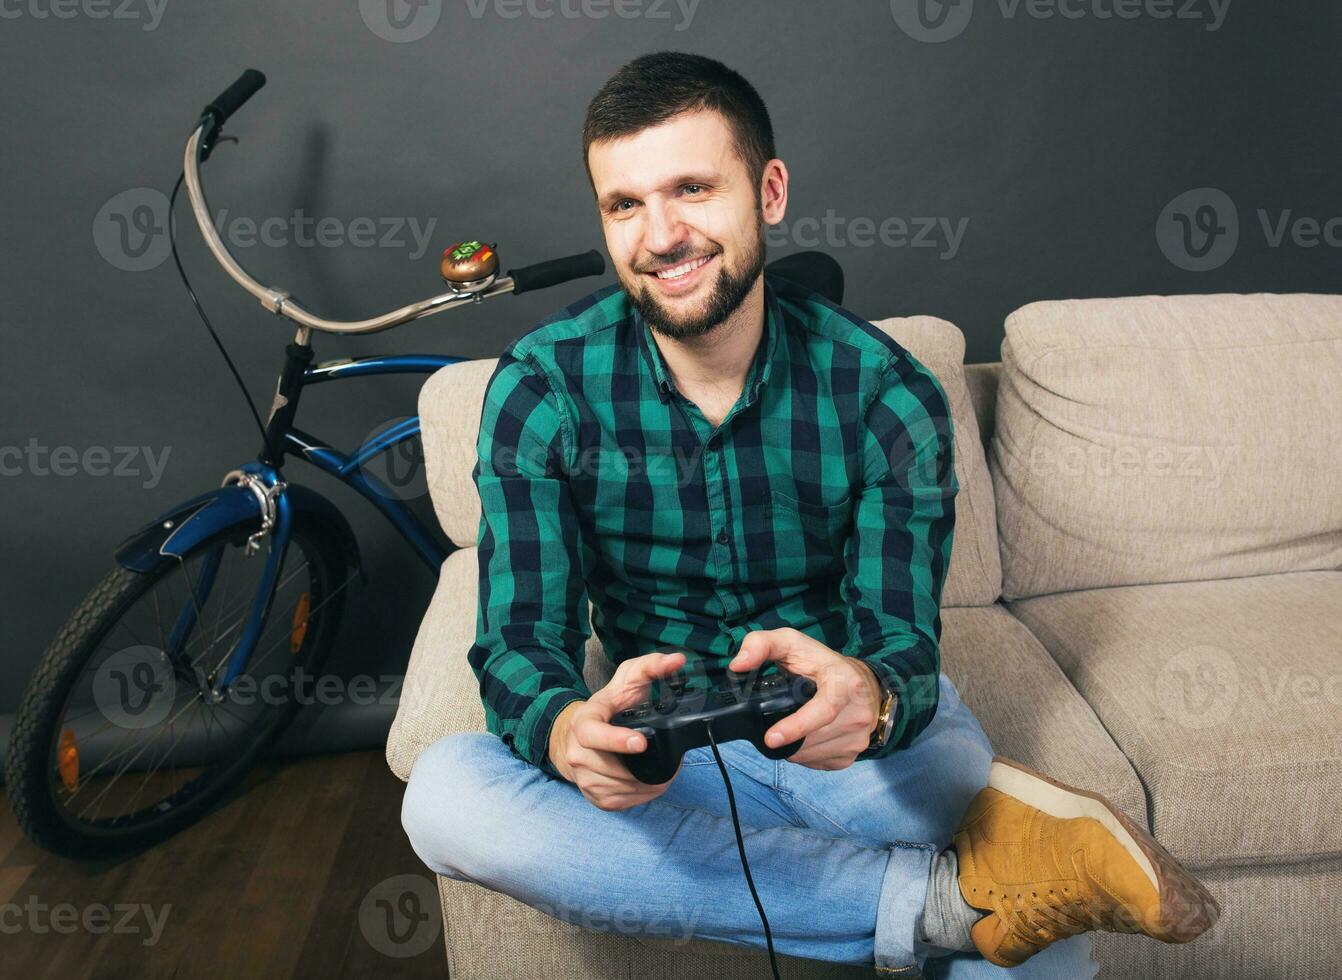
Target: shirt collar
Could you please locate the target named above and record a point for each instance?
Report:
(772, 350)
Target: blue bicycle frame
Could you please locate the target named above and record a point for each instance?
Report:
(349, 469)
(256, 499)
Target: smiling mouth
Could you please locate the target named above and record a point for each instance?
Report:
(680, 272)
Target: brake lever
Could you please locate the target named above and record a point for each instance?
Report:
(210, 140)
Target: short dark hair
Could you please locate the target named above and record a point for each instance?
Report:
(655, 87)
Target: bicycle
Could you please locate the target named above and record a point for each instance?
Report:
(164, 686)
(182, 718)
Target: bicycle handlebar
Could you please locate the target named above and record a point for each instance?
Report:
(552, 272)
(231, 99)
(278, 301)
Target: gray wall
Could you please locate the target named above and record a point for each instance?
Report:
(1051, 144)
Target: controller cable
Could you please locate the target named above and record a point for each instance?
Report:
(741, 847)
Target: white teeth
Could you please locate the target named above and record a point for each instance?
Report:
(681, 270)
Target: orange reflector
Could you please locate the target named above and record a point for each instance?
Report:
(300, 628)
(67, 760)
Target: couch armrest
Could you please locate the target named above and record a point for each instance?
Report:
(440, 695)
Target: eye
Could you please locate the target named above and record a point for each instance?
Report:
(693, 188)
(619, 207)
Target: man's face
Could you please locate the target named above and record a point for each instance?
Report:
(682, 222)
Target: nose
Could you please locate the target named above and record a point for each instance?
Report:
(664, 230)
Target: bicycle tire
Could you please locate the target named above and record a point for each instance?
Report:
(30, 774)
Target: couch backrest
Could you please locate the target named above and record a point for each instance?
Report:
(450, 404)
(1166, 439)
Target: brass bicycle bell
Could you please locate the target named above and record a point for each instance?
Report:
(469, 267)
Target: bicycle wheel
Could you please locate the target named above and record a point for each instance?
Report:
(119, 741)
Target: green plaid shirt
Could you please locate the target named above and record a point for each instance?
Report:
(824, 501)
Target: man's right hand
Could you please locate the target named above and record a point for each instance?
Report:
(588, 750)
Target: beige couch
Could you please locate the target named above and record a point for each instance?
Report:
(1144, 598)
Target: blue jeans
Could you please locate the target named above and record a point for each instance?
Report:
(840, 859)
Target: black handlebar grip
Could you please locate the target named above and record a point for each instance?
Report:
(542, 275)
(231, 99)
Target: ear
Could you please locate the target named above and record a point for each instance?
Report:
(773, 192)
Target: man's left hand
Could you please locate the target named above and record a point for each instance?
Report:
(838, 721)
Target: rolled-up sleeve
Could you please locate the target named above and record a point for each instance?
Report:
(899, 552)
(532, 618)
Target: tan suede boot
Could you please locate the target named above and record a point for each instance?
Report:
(1048, 861)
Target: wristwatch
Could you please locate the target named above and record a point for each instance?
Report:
(885, 716)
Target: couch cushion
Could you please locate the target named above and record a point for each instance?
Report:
(1167, 439)
(1027, 707)
(450, 404)
(1226, 696)
(451, 400)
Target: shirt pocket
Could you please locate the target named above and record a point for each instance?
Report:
(806, 538)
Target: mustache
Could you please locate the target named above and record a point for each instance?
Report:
(673, 259)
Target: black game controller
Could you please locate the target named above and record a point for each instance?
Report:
(736, 708)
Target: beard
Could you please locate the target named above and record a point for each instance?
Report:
(726, 294)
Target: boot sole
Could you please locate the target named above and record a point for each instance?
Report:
(1187, 909)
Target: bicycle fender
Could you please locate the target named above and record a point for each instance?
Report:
(177, 531)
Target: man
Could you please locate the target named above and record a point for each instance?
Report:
(737, 473)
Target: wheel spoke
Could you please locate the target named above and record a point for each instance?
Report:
(131, 776)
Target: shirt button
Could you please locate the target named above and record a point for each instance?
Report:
(714, 444)
(722, 537)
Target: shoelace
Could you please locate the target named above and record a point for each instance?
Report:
(1057, 917)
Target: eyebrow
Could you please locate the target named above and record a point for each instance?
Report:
(705, 177)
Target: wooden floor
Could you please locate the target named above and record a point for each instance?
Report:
(289, 879)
